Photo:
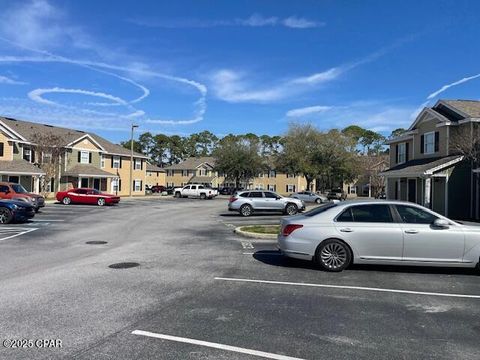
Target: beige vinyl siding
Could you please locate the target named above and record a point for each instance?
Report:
(426, 127)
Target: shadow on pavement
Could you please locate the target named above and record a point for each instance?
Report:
(274, 258)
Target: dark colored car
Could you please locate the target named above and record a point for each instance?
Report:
(158, 188)
(86, 196)
(13, 191)
(336, 194)
(381, 195)
(170, 190)
(15, 211)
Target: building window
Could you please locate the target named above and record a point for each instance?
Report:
(27, 154)
(402, 153)
(138, 164)
(102, 161)
(137, 185)
(15, 149)
(46, 158)
(272, 174)
(429, 143)
(202, 172)
(290, 188)
(261, 175)
(115, 185)
(184, 172)
(272, 187)
(1, 148)
(290, 176)
(84, 157)
(116, 162)
(259, 187)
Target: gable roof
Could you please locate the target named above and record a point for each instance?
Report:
(467, 108)
(422, 167)
(28, 131)
(152, 167)
(20, 167)
(193, 163)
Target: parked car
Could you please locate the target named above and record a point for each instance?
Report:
(86, 196)
(169, 190)
(196, 190)
(308, 196)
(338, 234)
(15, 211)
(336, 194)
(229, 190)
(157, 188)
(251, 201)
(12, 191)
(381, 195)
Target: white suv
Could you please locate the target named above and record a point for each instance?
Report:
(248, 202)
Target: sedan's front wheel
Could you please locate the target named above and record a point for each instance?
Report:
(5, 216)
(318, 201)
(291, 209)
(101, 202)
(66, 200)
(333, 255)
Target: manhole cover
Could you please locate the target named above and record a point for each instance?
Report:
(96, 242)
(124, 265)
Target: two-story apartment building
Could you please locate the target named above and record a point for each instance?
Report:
(201, 170)
(85, 159)
(426, 167)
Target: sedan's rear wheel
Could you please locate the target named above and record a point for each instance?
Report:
(318, 201)
(5, 216)
(101, 202)
(291, 209)
(333, 255)
(246, 210)
(66, 200)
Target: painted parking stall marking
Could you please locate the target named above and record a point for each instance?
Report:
(346, 287)
(11, 232)
(265, 355)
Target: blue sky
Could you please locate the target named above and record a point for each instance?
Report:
(234, 66)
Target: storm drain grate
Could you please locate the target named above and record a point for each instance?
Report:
(96, 242)
(124, 265)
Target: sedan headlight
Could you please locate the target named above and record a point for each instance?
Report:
(34, 199)
(15, 206)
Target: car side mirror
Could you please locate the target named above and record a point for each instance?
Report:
(278, 198)
(441, 224)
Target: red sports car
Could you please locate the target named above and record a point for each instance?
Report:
(86, 196)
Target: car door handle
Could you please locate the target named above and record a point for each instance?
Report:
(346, 230)
(411, 231)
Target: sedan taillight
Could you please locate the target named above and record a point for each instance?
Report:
(232, 199)
(287, 230)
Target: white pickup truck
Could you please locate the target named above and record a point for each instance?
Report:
(195, 190)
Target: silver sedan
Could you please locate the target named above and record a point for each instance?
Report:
(336, 235)
(308, 196)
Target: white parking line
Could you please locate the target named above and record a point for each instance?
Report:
(22, 232)
(247, 245)
(466, 296)
(40, 220)
(236, 349)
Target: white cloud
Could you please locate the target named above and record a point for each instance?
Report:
(33, 24)
(301, 23)
(308, 110)
(254, 20)
(318, 78)
(372, 115)
(37, 95)
(9, 81)
(455, 83)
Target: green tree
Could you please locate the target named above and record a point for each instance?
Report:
(137, 146)
(238, 158)
(397, 133)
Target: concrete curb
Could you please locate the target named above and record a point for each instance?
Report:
(248, 234)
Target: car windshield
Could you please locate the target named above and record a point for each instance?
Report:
(320, 209)
(19, 189)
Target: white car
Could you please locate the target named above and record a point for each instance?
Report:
(195, 190)
(336, 235)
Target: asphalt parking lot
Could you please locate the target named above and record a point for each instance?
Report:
(201, 292)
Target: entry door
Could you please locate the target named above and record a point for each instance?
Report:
(412, 190)
(84, 183)
(423, 242)
(370, 230)
(96, 184)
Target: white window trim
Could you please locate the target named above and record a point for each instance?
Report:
(137, 164)
(138, 184)
(425, 143)
(404, 145)
(116, 161)
(102, 161)
(82, 153)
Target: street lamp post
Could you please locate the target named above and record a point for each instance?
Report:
(131, 160)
